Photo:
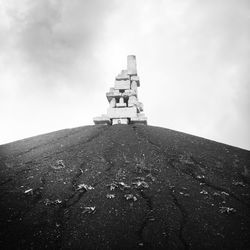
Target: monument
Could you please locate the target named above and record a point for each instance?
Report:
(124, 107)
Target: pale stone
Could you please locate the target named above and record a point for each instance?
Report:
(131, 65)
(104, 120)
(129, 92)
(111, 95)
(134, 86)
(120, 121)
(140, 119)
(139, 106)
(137, 79)
(121, 105)
(127, 112)
(112, 103)
(132, 101)
(137, 120)
(123, 75)
(122, 85)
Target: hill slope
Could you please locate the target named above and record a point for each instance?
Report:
(123, 187)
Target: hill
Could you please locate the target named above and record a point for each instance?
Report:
(123, 187)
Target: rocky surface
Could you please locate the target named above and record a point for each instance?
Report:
(123, 187)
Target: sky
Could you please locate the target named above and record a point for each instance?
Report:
(58, 58)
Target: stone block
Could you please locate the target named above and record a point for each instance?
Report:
(134, 85)
(131, 65)
(136, 79)
(123, 76)
(112, 103)
(140, 119)
(121, 105)
(114, 94)
(122, 85)
(120, 121)
(139, 106)
(127, 112)
(103, 120)
(129, 92)
(132, 101)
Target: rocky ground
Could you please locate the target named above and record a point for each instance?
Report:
(123, 187)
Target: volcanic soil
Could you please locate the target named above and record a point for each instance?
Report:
(123, 187)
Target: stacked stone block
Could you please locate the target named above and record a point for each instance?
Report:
(124, 107)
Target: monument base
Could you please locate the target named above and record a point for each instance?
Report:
(102, 120)
(120, 121)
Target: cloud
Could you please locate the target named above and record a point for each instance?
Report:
(55, 39)
(58, 58)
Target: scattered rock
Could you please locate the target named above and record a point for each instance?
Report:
(141, 184)
(123, 185)
(110, 196)
(151, 177)
(29, 191)
(89, 210)
(201, 177)
(48, 202)
(112, 186)
(227, 210)
(130, 197)
(239, 183)
(59, 165)
(184, 194)
(216, 194)
(203, 192)
(84, 186)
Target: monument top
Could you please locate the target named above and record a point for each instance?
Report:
(131, 65)
(124, 106)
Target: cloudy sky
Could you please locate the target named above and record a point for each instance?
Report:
(59, 57)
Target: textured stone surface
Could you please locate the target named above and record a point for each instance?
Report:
(131, 65)
(122, 112)
(120, 121)
(112, 103)
(132, 101)
(123, 75)
(104, 119)
(137, 79)
(122, 85)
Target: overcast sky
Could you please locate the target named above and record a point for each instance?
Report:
(58, 58)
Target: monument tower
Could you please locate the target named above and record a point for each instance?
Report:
(124, 107)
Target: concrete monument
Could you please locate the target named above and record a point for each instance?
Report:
(124, 107)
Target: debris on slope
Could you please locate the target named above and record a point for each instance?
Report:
(59, 165)
(150, 188)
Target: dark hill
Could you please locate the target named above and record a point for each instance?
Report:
(123, 187)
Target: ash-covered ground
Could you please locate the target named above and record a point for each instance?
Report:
(123, 187)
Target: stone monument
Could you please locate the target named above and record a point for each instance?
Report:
(124, 107)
